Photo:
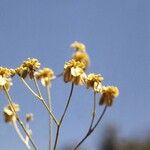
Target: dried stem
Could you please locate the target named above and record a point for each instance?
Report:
(62, 117)
(93, 111)
(42, 100)
(18, 118)
(50, 119)
(20, 135)
(37, 87)
(91, 129)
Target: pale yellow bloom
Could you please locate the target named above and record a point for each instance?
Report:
(46, 75)
(82, 57)
(5, 82)
(94, 81)
(80, 53)
(78, 46)
(5, 72)
(10, 111)
(74, 72)
(28, 68)
(108, 95)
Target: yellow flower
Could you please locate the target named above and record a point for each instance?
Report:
(108, 95)
(74, 72)
(94, 81)
(5, 72)
(82, 57)
(5, 82)
(46, 75)
(78, 46)
(80, 53)
(10, 113)
(28, 68)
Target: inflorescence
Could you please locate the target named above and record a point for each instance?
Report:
(74, 72)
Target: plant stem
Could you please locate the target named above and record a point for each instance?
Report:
(18, 118)
(50, 119)
(51, 114)
(62, 117)
(27, 85)
(93, 111)
(20, 135)
(42, 100)
(91, 129)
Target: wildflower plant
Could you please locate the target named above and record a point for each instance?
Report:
(74, 72)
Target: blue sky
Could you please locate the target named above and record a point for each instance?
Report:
(117, 36)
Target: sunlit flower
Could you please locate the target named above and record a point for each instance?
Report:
(74, 72)
(46, 75)
(13, 72)
(28, 68)
(5, 82)
(108, 95)
(10, 111)
(78, 46)
(94, 81)
(80, 53)
(5, 72)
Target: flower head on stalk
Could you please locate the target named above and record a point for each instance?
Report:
(80, 53)
(10, 111)
(28, 68)
(108, 95)
(5, 78)
(74, 72)
(6, 72)
(46, 75)
(94, 81)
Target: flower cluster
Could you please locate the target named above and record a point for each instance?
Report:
(10, 112)
(28, 68)
(46, 75)
(74, 71)
(80, 53)
(5, 78)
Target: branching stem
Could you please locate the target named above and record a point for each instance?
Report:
(40, 98)
(62, 117)
(91, 129)
(18, 118)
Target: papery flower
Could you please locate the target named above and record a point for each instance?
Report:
(94, 81)
(5, 82)
(28, 68)
(74, 72)
(10, 111)
(78, 46)
(80, 53)
(108, 95)
(46, 75)
(5, 72)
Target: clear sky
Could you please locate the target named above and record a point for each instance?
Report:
(117, 36)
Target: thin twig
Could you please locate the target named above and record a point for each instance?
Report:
(50, 119)
(42, 100)
(62, 117)
(37, 87)
(20, 135)
(27, 85)
(18, 118)
(92, 129)
(51, 114)
(93, 111)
